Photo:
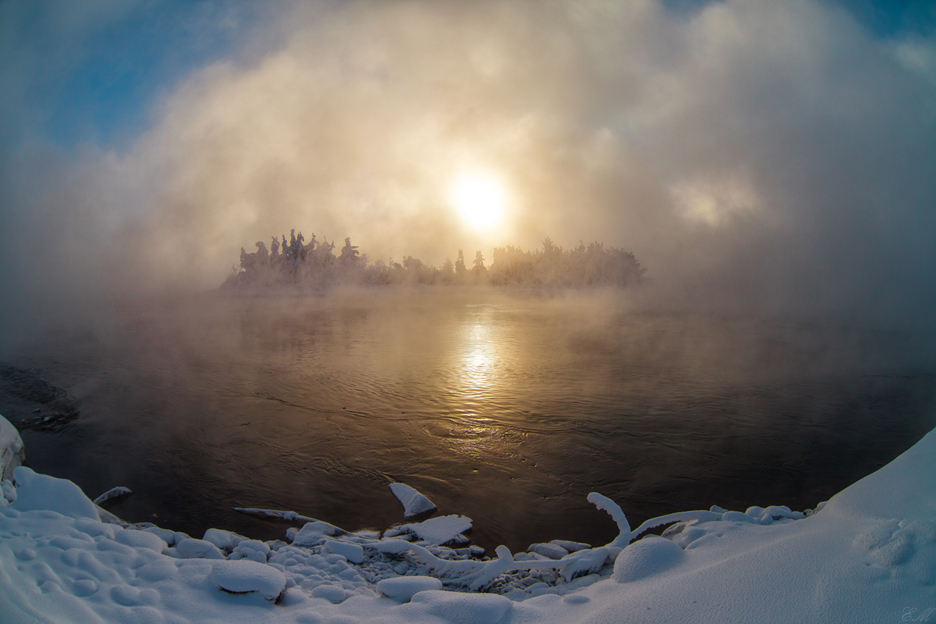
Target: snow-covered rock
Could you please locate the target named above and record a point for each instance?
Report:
(646, 557)
(549, 550)
(461, 608)
(413, 502)
(197, 549)
(12, 451)
(242, 577)
(403, 588)
(352, 552)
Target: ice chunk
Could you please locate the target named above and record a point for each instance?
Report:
(403, 588)
(351, 552)
(38, 491)
(241, 577)
(646, 557)
(440, 530)
(413, 502)
(12, 452)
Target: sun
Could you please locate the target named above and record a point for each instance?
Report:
(480, 199)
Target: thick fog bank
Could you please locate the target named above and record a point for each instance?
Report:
(756, 158)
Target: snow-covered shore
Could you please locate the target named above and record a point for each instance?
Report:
(869, 555)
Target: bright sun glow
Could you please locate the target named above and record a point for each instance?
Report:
(480, 199)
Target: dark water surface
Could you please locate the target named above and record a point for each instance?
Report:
(506, 408)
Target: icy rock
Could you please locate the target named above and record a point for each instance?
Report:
(440, 530)
(197, 549)
(460, 608)
(241, 577)
(403, 588)
(351, 552)
(12, 451)
(38, 491)
(413, 502)
(550, 551)
(646, 557)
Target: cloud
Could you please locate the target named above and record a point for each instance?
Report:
(774, 156)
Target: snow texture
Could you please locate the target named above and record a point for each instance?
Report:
(869, 554)
(413, 502)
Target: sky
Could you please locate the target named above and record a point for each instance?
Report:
(778, 157)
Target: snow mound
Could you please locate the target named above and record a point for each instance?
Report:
(242, 577)
(646, 557)
(197, 549)
(12, 452)
(37, 491)
(413, 502)
(403, 588)
(460, 608)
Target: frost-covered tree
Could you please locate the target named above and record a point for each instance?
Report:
(314, 266)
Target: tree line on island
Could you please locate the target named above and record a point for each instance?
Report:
(313, 265)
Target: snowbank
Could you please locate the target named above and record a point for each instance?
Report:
(12, 453)
(868, 555)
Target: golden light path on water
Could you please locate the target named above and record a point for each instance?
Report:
(481, 356)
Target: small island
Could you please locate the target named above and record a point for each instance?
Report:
(314, 265)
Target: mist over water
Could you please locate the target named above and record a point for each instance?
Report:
(506, 407)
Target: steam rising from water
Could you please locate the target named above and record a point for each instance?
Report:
(770, 156)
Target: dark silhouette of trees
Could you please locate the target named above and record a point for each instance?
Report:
(314, 265)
